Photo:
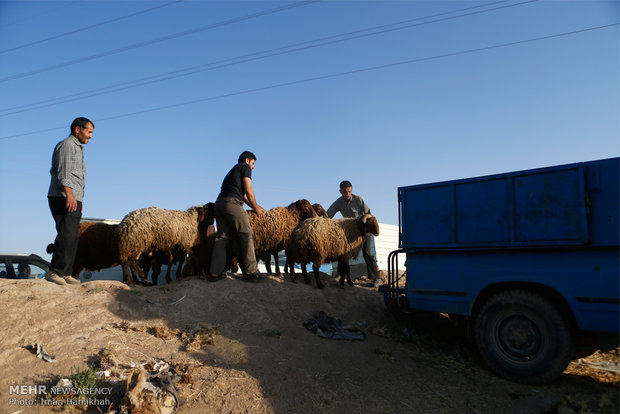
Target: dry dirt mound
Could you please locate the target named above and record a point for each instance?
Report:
(241, 348)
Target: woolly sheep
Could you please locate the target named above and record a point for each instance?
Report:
(96, 248)
(150, 229)
(271, 234)
(320, 240)
(320, 212)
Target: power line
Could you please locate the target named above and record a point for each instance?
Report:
(323, 77)
(116, 19)
(252, 57)
(158, 40)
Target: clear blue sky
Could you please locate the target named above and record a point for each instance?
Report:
(382, 110)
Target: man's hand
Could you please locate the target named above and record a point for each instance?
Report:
(71, 201)
(260, 212)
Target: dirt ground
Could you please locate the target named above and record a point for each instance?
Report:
(253, 354)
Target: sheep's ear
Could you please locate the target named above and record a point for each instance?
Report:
(305, 208)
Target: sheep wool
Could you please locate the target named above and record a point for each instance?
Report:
(150, 229)
(320, 240)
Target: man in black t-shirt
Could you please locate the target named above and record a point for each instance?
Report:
(232, 220)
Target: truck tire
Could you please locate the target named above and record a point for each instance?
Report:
(523, 337)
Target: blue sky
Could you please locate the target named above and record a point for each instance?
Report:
(463, 91)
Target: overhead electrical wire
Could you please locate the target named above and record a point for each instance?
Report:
(158, 40)
(329, 76)
(386, 28)
(92, 26)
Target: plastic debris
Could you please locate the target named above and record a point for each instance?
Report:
(64, 383)
(40, 352)
(603, 365)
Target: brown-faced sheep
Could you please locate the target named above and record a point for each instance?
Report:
(271, 234)
(96, 248)
(320, 240)
(150, 229)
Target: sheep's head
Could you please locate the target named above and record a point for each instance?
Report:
(205, 220)
(200, 210)
(209, 213)
(304, 208)
(370, 224)
(319, 210)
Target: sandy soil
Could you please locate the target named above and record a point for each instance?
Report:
(259, 358)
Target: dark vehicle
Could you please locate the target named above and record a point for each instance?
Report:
(528, 259)
(22, 266)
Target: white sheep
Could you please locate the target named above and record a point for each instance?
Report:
(320, 240)
(151, 229)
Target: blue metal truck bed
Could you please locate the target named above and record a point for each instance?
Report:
(519, 254)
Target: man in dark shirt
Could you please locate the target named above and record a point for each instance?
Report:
(232, 220)
(65, 196)
(353, 206)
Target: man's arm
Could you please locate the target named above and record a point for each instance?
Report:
(333, 209)
(249, 198)
(365, 208)
(63, 173)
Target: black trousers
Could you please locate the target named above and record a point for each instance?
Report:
(66, 243)
(371, 262)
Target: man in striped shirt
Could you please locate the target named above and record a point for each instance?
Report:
(65, 197)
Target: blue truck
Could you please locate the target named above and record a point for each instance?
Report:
(528, 259)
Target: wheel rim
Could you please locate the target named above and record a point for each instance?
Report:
(519, 337)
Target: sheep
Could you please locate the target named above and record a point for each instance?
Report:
(320, 212)
(320, 240)
(150, 229)
(96, 248)
(271, 234)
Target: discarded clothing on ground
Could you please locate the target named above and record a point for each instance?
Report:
(333, 328)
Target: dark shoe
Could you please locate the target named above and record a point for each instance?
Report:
(215, 278)
(254, 277)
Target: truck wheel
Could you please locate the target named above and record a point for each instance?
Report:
(523, 337)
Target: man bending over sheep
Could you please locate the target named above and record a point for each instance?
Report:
(354, 206)
(232, 220)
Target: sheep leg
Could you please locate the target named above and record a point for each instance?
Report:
(317, 277)
(134, 266)
(305, 273)
(168, 277)
(267, 261)
(344, 270)
(179, 273)
(275, 258)
(170, 263)
(292, 268)
(156, 271)
(126, 274)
